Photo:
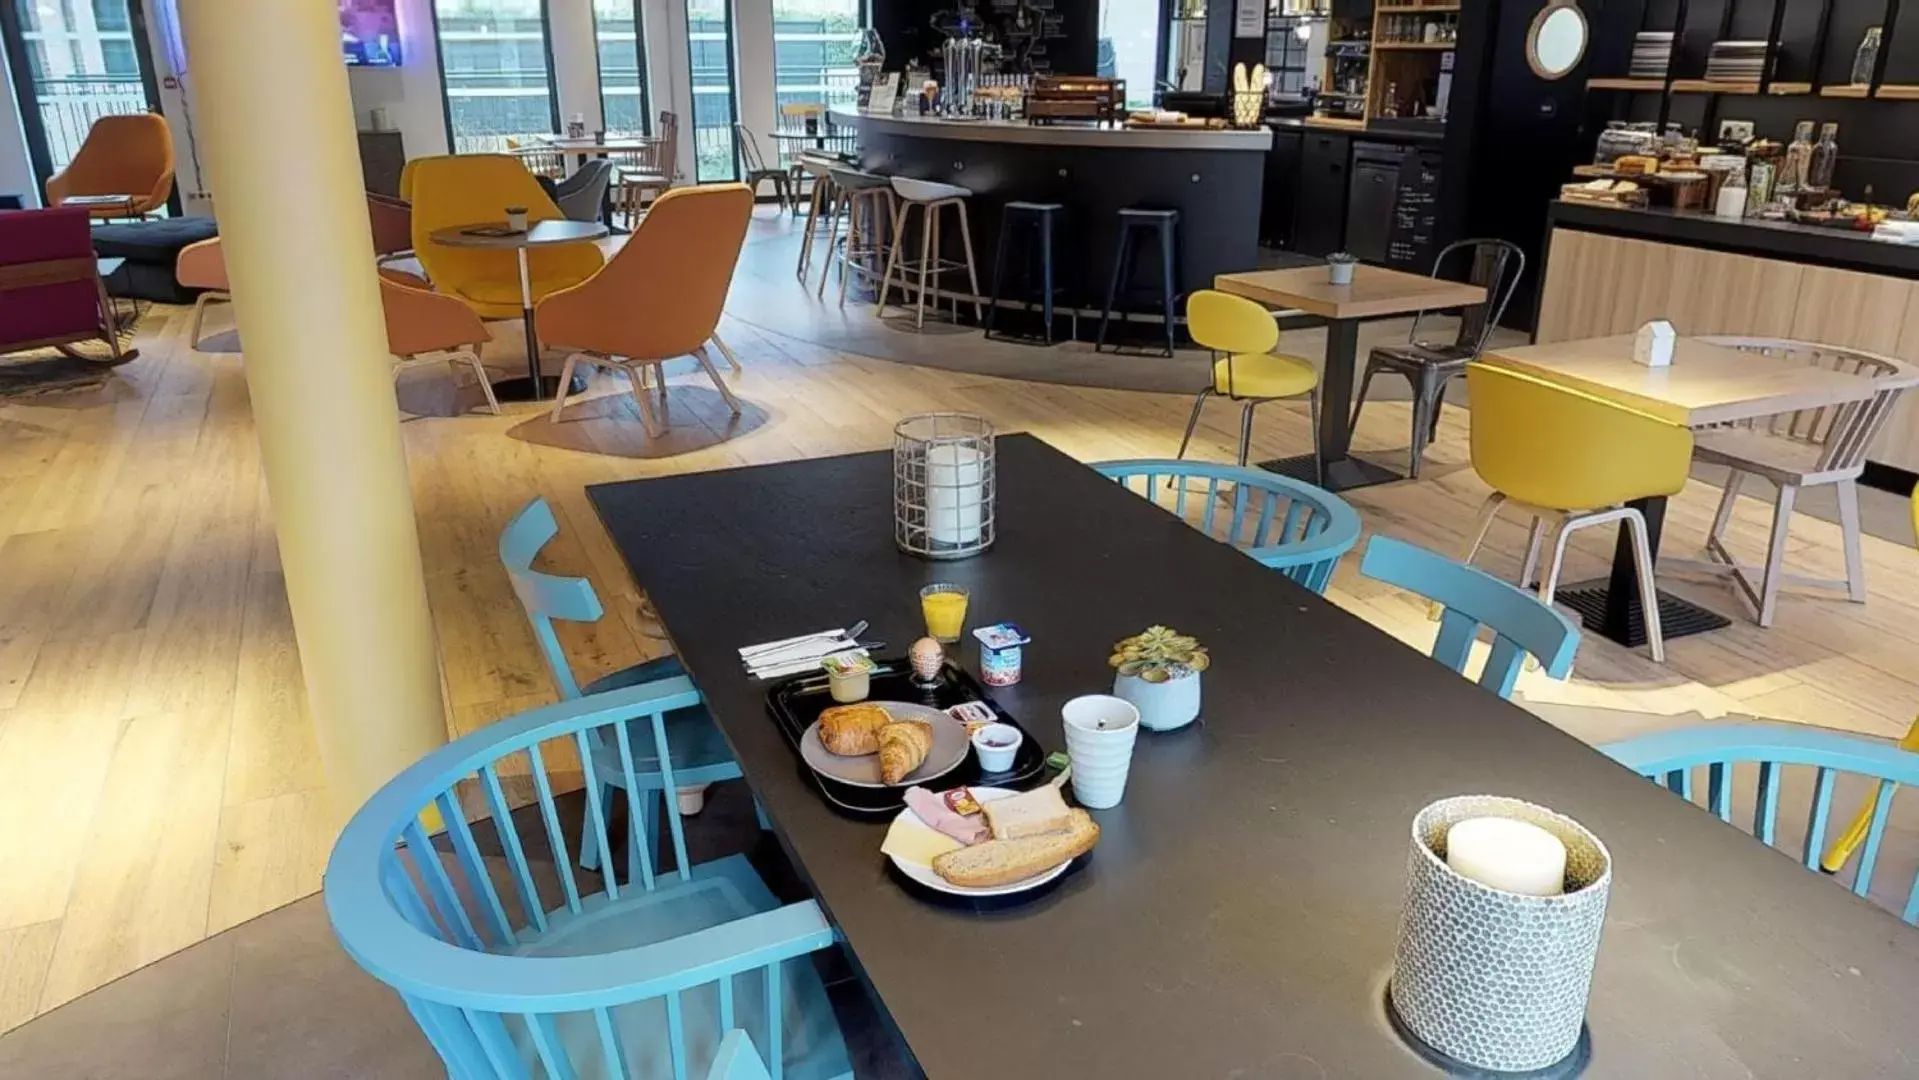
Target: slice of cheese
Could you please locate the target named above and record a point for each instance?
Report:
(909, 841)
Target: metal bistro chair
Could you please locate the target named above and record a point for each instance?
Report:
(1798, 450)
(513, 964)
(1282, 523)
(1242, 336)
(1470, 598)
(1730, 752)
(757, 172)
(698, 751)
(1429, 366)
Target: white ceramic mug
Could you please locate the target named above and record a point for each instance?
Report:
(516, 218)
(1100, 732)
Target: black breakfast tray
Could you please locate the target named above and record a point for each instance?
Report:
(798, 701)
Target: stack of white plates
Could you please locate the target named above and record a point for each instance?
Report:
(1736, 61)
(1651, 49)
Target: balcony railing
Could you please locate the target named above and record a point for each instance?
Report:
(70, 104)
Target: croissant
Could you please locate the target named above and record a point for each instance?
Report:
(852, 730)
(904, 745)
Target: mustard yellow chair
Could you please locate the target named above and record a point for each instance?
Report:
(1242, 336)
(130, 155)
(1574, 460)
(661, 296)
(1849, 841)
(465, 189)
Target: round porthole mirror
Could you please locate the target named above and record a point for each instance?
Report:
(1557, 40)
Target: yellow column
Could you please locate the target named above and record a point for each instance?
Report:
(276, 127)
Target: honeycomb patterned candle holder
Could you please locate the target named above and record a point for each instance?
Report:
(1492, 979)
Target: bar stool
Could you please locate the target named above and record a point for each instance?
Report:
(1041, 217)
(1161, 223)
(930, 198)
(865, 200)
(820, 208)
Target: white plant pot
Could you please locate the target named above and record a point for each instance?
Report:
(1162, 706)
(1339, 273)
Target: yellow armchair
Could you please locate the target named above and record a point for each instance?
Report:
(465, 189)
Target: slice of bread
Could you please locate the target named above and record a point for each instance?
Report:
(1004, 862)
(1030, 813)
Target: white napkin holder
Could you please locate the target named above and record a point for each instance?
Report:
(1653, 345)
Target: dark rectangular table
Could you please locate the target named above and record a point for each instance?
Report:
(1239, 915)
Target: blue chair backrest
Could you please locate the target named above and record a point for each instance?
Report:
(545, 597)
(1473, 598)
(441, 930)
(1293, 527)
(1671, 756)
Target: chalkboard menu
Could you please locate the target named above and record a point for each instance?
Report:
(1410, 245)
(1035, 36)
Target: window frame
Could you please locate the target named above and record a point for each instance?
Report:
(732, 95)
(639, 50)
(446, 97)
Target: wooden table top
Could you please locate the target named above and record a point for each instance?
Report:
(1706, 384)
(537, 234)
(1375, 291)
(612, 144)
(1245, 895)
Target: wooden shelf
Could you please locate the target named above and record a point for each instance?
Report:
(1851, 90)
(1626, 84)
(1898, 92)
(1415, 9)
(1429, 46)
(1337, 123)
(1789, 89)
(1713, 86)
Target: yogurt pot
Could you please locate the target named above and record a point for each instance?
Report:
(996, 745)
(999, 653)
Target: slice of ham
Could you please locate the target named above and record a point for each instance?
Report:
(933, 810)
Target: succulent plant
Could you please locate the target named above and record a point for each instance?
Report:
(1342, 257)
(1160, 654)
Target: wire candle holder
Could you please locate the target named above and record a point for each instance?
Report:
(943, 485)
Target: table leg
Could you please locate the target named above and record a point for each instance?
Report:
(1343, 472)
(535, 387)
(1612, 609)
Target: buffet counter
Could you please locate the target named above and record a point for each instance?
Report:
(1212, 177)
(1610, 271)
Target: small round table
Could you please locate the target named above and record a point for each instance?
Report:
(535, 387)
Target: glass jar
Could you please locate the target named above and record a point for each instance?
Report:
(1825, 155)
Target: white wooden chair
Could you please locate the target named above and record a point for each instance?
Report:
(1798, 450)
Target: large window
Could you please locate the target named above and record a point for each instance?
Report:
(81, 62)
(1129, 46)
(709, 25)
(814, 42)
(499, 81)
(622, 47)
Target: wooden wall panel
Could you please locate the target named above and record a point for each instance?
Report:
(1602, 285)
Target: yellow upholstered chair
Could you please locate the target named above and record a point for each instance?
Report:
(465, 189)
(660, 297)
(130, 155)
(1573, 460)
(1849, 841)
(1242, 336)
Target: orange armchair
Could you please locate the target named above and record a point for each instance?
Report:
(425, 327)
(465, 189)
(129, 155)
(659, 298)
(203, 266)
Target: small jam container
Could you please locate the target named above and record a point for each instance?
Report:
(996, 744)
(848, 677)
(999, 653)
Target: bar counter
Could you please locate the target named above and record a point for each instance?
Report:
(1610, 271)
(1212, 177)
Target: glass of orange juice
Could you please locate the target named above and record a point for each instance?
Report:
(944, 606)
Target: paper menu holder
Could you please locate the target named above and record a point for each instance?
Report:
(1653, 345)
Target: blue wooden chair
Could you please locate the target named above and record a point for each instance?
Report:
(512, 968)
(1293, 527)
(1671, 757)
(1471, 598)
(697, 746)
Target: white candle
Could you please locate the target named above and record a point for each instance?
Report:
(1505, 853)
(955, 494)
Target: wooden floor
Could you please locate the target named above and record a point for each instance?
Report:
(157, 779)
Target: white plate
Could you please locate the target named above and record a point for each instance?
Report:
(925, 875)
(951, 744)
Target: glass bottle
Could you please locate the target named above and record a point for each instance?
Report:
(1824, 156)
(1793, 170)
(1867, 57)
